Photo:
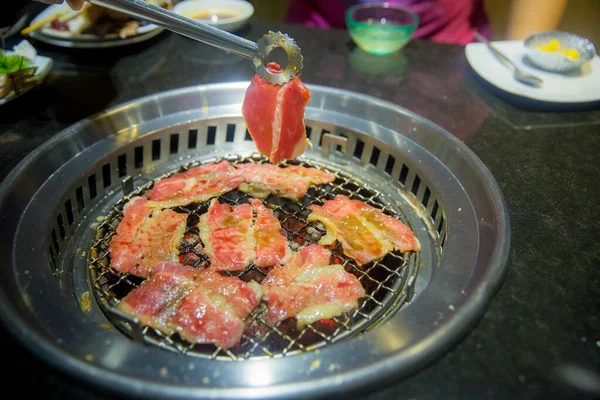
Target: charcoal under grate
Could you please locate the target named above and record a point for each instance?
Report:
(385, 280)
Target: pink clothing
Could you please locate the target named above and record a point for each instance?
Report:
(446, 21)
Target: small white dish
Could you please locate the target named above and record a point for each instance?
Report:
(228, 15)
(582, 86)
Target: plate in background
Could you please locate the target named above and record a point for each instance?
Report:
(67, 39)
(43, 64)
(579, 87)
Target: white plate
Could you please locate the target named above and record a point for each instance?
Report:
(46, 34)
(95, 44)
(43, 64)
(580, 87)
(240, 9)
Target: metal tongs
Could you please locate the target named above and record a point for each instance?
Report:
(258, 52)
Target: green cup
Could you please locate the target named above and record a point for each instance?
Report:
(381, 28)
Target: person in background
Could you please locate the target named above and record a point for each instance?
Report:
(445, 21)
(530, 16)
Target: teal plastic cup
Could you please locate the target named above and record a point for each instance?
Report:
(381, 28)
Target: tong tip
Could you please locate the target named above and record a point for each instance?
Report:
(268, 43)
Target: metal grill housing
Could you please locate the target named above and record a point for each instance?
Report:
(53, 203)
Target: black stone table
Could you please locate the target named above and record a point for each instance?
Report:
(540, 337)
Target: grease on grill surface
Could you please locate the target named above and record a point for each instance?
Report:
(85, 302)
(384, 280)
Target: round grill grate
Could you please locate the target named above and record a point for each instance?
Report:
(386, 281)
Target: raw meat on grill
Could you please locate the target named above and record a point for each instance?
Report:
(291, 182)
(206, 181)
(197, 184)
(214, 312)
(234, 239)
(155, 301)
(366, 233)
(274, 116)
(271, 246)
(202, 306)
(310, 289)
(228, 236)
(145, 237)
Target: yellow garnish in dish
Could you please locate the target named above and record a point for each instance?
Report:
(553, 46)
(572, 54)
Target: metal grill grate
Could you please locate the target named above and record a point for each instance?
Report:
(386, 281)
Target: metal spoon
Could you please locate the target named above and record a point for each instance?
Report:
(518, 74)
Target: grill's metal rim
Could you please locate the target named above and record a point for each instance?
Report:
(465, 313)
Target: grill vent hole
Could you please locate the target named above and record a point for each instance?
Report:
(156, 149)
(106, 175)
(323, 132)
(338, 147)
(389, 165)
(138, 157)
(415, 185)
(434, 210)
(230, 136)
(192, 138)
(55, 242)
(375, 156)
(248, 138)
(52, 258)
(122, 165)
(360, 145)
(403, 174)
(211, 135)
(69, 211)
(79, 195)
(308, 132)
(174, 144)
(426, 196)
(440, 225)
(92, 186)
(61, 226)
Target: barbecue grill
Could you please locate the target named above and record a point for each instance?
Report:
(60, 208)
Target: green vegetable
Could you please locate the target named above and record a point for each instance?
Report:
(11, 63)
